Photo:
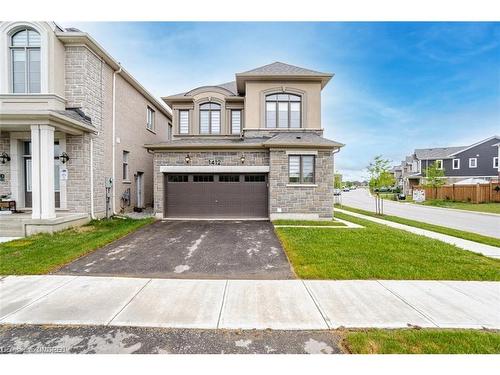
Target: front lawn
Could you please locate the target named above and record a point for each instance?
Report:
(492, 241)
(328, 223)
(422, 341)
(380, 252)
(493, 208)
(43, 253)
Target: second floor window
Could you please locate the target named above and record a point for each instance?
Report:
(210, 118)
(125, 166)
(25, 61)
(283, 111)
(472, 162)
(439, 164)
(235, 122)
(150, 120)
(184, 122)
(495, 162)
(456, 163)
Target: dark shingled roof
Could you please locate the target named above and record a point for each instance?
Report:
(76, 114)
(436, 153)
(300, 139)
(279, 68)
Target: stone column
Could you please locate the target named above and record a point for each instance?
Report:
(42, 174)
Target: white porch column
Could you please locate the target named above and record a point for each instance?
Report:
(42, 175)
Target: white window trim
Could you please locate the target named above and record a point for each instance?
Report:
(152, 111)
(470, 162)
(125, 166)
(495, 161)
(241, 117)
(453, 164)
(440, 162)
(188, 120)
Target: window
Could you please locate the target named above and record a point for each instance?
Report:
(495, 162)
(125, 165)
(283, 111)
(177, 178)
(169, 131)
(235, 122)
(229, 178)
(150, 122)
(255, 178)
(301, 169)
(456, 163)
(210, 118)
(25, 61)
(439, 164)
(472, 162)
(203, 178)
(184, 122)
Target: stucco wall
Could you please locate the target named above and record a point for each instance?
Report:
(228, 158)
(287, 199)
(255, 98)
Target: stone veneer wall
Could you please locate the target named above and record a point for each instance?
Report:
(84, 85)
(297, 199)
(5, 168)
(228, 158)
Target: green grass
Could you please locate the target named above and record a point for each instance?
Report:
(43, 253)
(492, 241)
(380, 252)
(422, 341)
(493, 208)
(309, 223)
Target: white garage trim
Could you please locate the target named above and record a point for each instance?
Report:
(214, 169)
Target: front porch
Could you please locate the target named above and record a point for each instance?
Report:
(22, 224)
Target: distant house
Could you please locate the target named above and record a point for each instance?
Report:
(479, 160)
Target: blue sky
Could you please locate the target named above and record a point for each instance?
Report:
(397, 86)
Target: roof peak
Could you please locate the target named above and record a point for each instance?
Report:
(281, 68)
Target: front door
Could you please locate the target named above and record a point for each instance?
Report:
(28, 197)
(139, 189)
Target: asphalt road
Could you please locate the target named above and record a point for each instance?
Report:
(487, 225)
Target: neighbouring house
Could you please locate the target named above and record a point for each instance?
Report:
(251, 148)
(71, 119)
(478, 161)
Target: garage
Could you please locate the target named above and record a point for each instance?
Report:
(224, 195)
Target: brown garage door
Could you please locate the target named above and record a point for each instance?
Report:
(216, 195)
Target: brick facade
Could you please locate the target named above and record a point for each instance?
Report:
(314, 201)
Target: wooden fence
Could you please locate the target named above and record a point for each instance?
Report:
(479, 193)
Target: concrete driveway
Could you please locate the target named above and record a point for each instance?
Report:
(485, 224)
(191, 249)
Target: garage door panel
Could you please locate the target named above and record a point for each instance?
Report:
(216, 199)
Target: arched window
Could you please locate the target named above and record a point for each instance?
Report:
(210, 118)
(25, 61)
(283, 111)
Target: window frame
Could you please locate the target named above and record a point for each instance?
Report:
(125, 166)
(453, 164)
(27, 60)
(495, 161)
(150, 118)
(277, 102)
(301, 169)
(209, 111)
(439, 164)
(470, 162)
(182, 111)
(233, 111)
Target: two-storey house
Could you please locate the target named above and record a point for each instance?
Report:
(251, 148)
(73, 124)
(478, 161)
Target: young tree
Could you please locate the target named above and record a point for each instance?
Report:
(337, 180)
(380, 174)
(434, 176)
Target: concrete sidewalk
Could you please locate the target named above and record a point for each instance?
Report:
(248, 304)
(476, 247)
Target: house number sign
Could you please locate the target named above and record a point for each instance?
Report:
(214, 161)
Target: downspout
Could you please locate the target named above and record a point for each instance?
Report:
(113, 158)
(92, 213)
(333, 162)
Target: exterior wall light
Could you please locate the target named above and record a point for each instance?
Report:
(4, 157)
(188, 159)
(64, 158)
(242, 159)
